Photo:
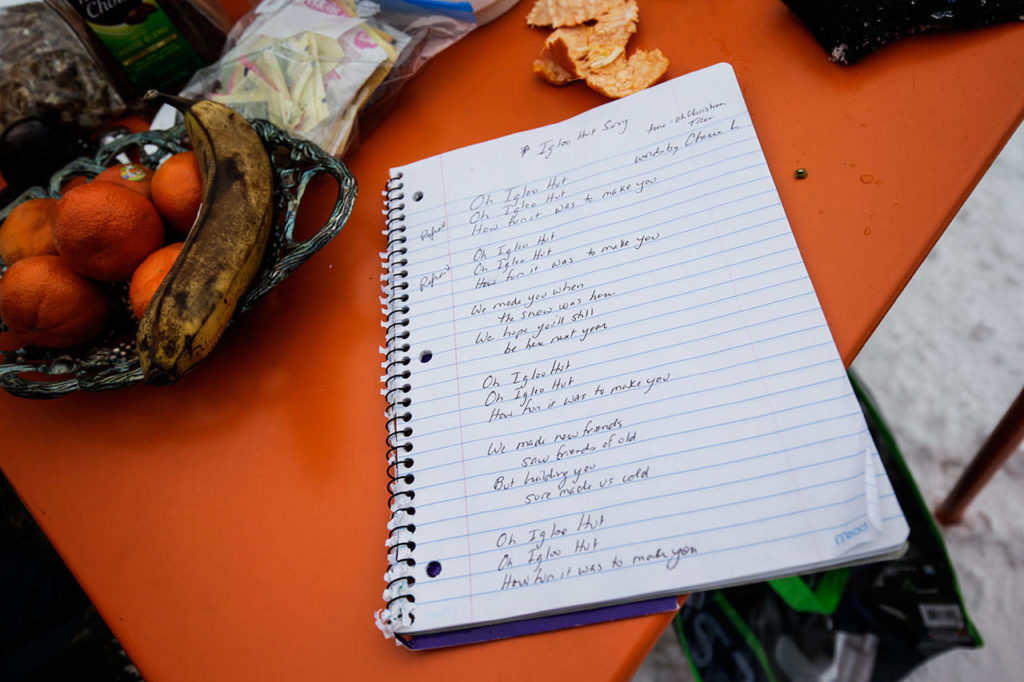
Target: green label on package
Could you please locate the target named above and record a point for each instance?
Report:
(144, 40)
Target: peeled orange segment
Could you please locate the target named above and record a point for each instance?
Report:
(626, 76)
(558, 13)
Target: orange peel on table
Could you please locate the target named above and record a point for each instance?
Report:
(625, 75)
(557, 13)
(551, 71)
(575, 50)
(596, 53)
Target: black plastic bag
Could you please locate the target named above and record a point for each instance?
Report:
(850, 29)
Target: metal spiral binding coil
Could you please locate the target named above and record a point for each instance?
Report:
(398, 596)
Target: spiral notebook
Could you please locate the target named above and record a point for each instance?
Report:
(609, 379)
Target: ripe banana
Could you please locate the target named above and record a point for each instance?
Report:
(224, 249)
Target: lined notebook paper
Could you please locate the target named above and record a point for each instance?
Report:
(608, 374)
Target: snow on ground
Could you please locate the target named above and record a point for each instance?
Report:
(943, 367)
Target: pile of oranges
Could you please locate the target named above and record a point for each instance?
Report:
(67, 257)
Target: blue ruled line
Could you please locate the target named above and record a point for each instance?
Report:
(666, 496)
(738, 524)
(591, 223)
(677, 328)
(640, 289)
(435, 368)
(451, 205)
(661, 349)
(609, 412)
(733, 548)
(419, 301)
(675, 415)
(674, 379)
(563, 219)
(485, 512)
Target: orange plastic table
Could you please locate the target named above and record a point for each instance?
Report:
(231, 527)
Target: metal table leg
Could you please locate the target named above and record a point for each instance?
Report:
(1002, 443)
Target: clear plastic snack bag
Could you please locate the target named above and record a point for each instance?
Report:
(315, 67)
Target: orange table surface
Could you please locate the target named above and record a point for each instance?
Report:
(232, 526)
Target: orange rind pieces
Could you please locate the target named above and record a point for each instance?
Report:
(551, 71)
(565, 54)
(557, 13)
(626, 76)
(594, 52)
(571, 51)
(617, 23)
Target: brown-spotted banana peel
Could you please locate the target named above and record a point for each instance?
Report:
(223, 250)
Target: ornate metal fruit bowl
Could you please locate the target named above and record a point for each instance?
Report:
(111, 360)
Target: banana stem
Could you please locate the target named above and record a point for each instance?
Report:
(179, 103)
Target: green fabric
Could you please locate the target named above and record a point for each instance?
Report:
(824, 600)
(678, 625)
(748, 636)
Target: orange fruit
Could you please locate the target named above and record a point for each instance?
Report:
(178, 190)
(53, 306)
(104, 230)
(134, 176)
(148, 276)
(28, 230)
(75, 181)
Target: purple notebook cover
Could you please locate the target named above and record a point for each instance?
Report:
(487, 633)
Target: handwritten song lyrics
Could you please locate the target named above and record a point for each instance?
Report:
(603, 316)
